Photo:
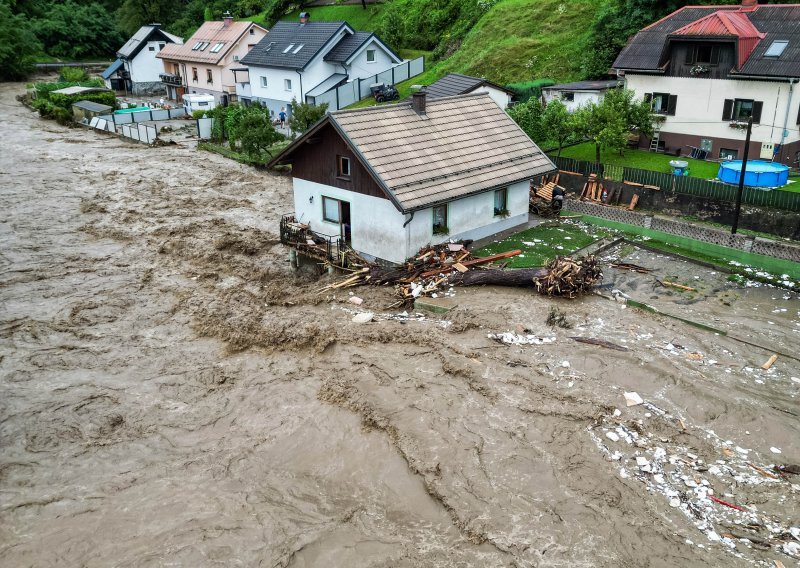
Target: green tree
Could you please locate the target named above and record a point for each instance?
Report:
(133, 14)
(257, 133)
(558, 123)
(77, 31)
(529, 117)
(304, 116)
(18, 44)
(608, 122)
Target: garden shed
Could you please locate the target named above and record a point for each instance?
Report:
(85, 111)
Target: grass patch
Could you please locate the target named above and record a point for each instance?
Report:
(404, 88)
(260, 161)
(641, 159)
(541, 244)
(359, 19)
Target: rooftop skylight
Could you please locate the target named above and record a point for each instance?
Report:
(298, 48)
(288, 49)
(217, 47)
(776, 48)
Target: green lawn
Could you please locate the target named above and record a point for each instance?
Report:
(404, 88)
(641, 159)
(541, 244)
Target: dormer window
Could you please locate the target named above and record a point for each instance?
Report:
(704, 53)
(776, 48)
(288, 49)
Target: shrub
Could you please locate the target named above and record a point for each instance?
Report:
(198, 114)
(74, 74)
(529, 89)
(65, 101)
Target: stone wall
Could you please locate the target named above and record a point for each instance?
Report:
(756, 245)
(666, 202)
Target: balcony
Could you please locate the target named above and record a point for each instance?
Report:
(170, 79)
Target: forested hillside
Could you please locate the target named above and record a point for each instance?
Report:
(503, 40)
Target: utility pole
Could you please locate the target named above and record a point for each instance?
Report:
(741, 177)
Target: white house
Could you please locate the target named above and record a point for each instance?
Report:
(137, 68)
(422, 172)
(457, 84)
(302, 60)
(580, 93)
(709, 69)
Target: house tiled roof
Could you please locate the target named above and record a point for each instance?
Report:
(293, 44)
(648, 49)
(586, 86)
(457, 84)
(347, 47)
(211, 33)
(144, 34)
(461, 146)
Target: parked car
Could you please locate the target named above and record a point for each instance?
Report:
(383, 92)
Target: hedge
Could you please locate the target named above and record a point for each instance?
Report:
(66, 101)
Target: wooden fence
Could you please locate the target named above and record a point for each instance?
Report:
(714, 190)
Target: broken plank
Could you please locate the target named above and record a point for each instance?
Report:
(460, 267)
(476, 262)
(678, 286)
(600, 343)
(770, 362)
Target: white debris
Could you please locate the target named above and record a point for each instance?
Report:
(511, 338)
(364, 317)
(632, 399)
(355, 300)
(642, 461)
(674, 502)
(613, 436)
(775, 450)
(565, 364)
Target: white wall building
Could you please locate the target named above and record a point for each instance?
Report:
(424, 173)
(301, 60)
(137, 68)
(581, 93)
(708, 70)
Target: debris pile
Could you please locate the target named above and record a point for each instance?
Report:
(435, 270)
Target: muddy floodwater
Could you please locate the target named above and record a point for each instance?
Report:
(173, 395)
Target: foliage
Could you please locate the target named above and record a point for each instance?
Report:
(608, 122)
(51, 111)
(66, 101)
(304, 116)
(18, 44)
(77, 30)
(74, 74)
(44, 89)
(256, 132)
(133, 14)
(198, 114)
(526, 89)
(558, 123)
(529, 117)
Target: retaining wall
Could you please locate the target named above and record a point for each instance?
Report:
(755, 245)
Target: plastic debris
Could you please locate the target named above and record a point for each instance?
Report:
(633, 399)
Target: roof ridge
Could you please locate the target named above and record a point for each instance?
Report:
(383, 108)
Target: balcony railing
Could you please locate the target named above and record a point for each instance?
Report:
(170, 79)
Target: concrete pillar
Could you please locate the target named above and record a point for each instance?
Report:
(293, 259)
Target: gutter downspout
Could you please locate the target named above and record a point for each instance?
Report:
(785, 132)
(408, 232)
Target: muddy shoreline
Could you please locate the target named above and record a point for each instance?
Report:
(173, 394)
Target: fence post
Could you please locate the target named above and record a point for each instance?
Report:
(392, 74)
(336, 90)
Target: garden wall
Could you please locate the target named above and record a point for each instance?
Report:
(665, 201)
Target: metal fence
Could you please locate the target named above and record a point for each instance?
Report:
(144, 115)
(714, 190)
(358, 89)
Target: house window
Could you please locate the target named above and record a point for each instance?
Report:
(194, 74)
(151, 48)
(742, 109)
(704, 53)
(287, 84)
(440, 220)
(288, 48)
(727, 154)
(501, 202)
(197, 46)
(569, 97)
(331, 210)
(263, 81)
(209, 76)
(217, 47)
(343, 167)
(236, 58)
(662, 103)
(252, 31)
(298, 48)
(161, 46)
(776, 48)
(371, 56)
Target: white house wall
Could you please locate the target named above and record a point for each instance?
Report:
(700, 102)
(359, 67)
(377, 226)
(145, 68)
(500, 97)
(579, 98)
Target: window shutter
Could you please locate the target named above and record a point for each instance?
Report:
(714, 55)
(757, 105)
(689, 55)
(727, 109)
(672, 102)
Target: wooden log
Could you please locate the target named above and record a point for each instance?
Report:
(770, 362)
(469, 263)
(634, 201)
(678, 286)
(521, 278)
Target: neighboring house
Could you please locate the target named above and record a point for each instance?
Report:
(575, 95)
(302, 60)
(203, 65)
(397, 177)
(456, 84)
(708, 69)
(137, 69)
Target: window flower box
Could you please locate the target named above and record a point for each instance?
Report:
(738, 125)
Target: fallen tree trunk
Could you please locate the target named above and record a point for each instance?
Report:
(520, 277)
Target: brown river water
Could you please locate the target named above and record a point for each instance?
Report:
(173, 395)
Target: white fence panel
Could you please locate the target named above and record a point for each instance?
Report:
(160, 114)
(140, 116)
(329, 97)
(124, 118)
(416, 66)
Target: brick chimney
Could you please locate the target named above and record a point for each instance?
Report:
(749, 3)
(418, 101)
(304, 17)
(226, 19)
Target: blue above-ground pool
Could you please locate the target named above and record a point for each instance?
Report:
(757, 174)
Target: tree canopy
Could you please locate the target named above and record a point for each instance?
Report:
(18, 44)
